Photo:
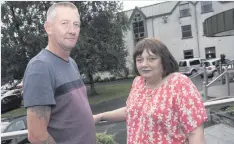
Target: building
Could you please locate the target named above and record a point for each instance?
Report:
(180, 25)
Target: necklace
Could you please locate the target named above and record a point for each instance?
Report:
(153, 89)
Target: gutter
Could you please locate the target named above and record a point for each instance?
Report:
(198, 42)
(153, 26)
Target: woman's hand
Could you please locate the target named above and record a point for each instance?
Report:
(97, 118)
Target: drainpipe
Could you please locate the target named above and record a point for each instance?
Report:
(198, 43)
(153, 26)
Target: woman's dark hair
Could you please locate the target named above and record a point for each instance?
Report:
(158, 48)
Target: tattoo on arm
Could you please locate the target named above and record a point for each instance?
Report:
(42, 112)
(49, 140)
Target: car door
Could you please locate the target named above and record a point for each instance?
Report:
(16, 126)
(195, 65)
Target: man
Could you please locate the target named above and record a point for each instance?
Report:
(54, 94)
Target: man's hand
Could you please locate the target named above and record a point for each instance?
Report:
(97, 118)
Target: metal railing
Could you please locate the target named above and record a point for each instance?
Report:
(16, 134)
(223, 76)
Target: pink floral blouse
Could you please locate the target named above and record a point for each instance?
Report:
(164, 115)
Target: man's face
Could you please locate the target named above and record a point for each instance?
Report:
(65, 27)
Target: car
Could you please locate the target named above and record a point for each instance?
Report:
(212, 66)
(15, 124)
(11, 100)
(190, 66)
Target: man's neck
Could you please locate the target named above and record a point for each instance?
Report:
(55, 49)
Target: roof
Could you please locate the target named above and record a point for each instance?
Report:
(157, 9)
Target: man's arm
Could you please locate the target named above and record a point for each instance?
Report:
(37, 119)
(197, 136)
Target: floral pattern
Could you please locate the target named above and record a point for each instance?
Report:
(164, 115)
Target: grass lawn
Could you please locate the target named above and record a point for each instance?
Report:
(109, 92)
(106, 92)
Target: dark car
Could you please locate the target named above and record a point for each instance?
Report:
(10, 101)
(17, 124)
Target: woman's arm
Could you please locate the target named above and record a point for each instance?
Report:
(115, 115)
(197, 136)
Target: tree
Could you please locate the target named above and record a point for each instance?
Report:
(100, 47)
(23, 35)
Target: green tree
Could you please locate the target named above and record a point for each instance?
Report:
(101, 47)
(22, 37)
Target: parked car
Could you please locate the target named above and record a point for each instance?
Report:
(212, 66)
(17, 124)
(10, 100)
(190, 66)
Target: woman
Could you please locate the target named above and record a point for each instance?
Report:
(163, 106)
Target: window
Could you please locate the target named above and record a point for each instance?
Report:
(188, 54)
(184, 10)
(138, 28)
(210, 52)
(186, 31)
(204, 28)
(194, 62)
(206, 6)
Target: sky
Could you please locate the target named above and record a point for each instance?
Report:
(130, 4)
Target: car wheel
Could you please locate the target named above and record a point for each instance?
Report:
(201, 76)
(213, 73)
(193, 72)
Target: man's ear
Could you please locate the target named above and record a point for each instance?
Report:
(48, 27)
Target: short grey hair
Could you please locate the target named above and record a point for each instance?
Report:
(51, 13)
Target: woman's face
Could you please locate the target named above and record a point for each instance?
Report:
(149, 65)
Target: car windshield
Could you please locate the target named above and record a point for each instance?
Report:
(16, 126)
(206, 64)
(182, 63)
(215, 62)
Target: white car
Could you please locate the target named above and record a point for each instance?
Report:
(190, 66)
(211, 66)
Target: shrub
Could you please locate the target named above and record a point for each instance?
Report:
(97, 79)
(106, 79)
(102, 138)
(230, 110)
(112, 78)
(126, 72)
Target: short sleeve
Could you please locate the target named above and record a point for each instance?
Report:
(133, 87)
(38, 85)
(189, 103)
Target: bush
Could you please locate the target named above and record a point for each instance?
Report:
(97, 79)
(126, 72)
(230, 110)
(102, 138)
(112, 78)
(106, 79)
